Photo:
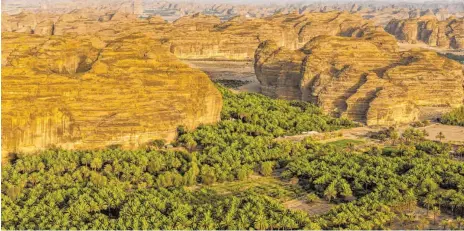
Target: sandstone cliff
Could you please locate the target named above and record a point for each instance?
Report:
(202, 37)
(238, 38)
(81, 92)
(428, 29)
(360, 79)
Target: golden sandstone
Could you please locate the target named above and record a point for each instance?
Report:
(72, 92)
(359, 79)
(448, 33)
(92, 78)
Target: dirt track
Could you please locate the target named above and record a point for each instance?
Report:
(453, 134)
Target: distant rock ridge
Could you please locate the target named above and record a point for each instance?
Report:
(201, 37)
(359, 79)
(429, 30)
(238, 38)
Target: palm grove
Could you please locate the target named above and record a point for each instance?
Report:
(151, 188)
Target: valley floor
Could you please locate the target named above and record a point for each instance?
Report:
(453, 134)
(240, 72)
(420, 45)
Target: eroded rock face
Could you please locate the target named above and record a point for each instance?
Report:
(203, 37)
(360, 79)
(77, 92)
(238, 38)
(429, 30)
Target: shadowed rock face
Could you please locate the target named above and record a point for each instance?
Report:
(359, 79)
(80, 92)
(427, 29)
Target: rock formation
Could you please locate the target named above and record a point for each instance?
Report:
(345, 63)
(238, 38)
(360, 79)
(429, 30)
(83, 92)
(200, 36)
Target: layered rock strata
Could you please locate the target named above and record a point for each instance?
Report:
(79, 92)
(238, 38)
(429, 30)
(360, 79)
(200, 37)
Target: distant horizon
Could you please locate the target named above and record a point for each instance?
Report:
(256, 2)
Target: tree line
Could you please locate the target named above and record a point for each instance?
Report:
(151, 188)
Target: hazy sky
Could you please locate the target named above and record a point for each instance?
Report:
(259, 1)
(315, 1)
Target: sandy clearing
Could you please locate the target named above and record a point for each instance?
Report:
(420, 45)
(230, 70)
(453, 134)
(313, 209)
(418, 216)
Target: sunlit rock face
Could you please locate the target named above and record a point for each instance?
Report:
(80, 92)
(201, 37)
(360, 79)
(428, 29)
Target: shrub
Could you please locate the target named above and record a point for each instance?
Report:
(455, 117)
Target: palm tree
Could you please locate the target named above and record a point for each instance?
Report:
(423, 223)
(207, 223)
(330, 192)
(429, 201)
(394, 136)
(350, 146)
(410, 199)
(436, 212)
(260, 222)
(440, 136)
(445, 223)
(96, 163)
(459, 222)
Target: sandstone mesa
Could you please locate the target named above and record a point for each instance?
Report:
(80, 92)
(360, 79)
(93, 77)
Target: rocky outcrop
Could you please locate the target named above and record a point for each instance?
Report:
(80, 92)
(360, 79)
(200, 37)
(238, 38)
(429, 30)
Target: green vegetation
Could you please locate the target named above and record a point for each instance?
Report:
(232, 83)
(244, 139)
(455, 117)
(383, 183)
(419, 124)
(206, 182)
(459, 58)
(346, 143)
(270, 186)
